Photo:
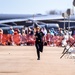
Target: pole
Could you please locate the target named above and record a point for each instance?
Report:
(73, 6)
(64, 15)
(64, 22)
(68, 22)
(73, 10)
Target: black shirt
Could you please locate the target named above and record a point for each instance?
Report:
(39, 36)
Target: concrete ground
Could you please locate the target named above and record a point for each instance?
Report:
(22, 60)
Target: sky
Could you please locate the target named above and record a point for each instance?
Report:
(33, 6)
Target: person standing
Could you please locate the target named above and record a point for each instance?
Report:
(10, 36)
(1, 36)
(39, 41)
(11, 31)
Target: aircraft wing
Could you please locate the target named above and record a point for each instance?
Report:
(37, 18)
(12, 20)
(48, 17)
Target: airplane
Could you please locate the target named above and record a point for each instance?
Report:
(27, 20)
(23, 19)
(17, 18)
(14, 19)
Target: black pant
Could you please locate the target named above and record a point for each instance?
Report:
(39, 48)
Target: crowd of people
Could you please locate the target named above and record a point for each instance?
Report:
(52, 37)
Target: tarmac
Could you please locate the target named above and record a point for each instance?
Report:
(22, 60)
